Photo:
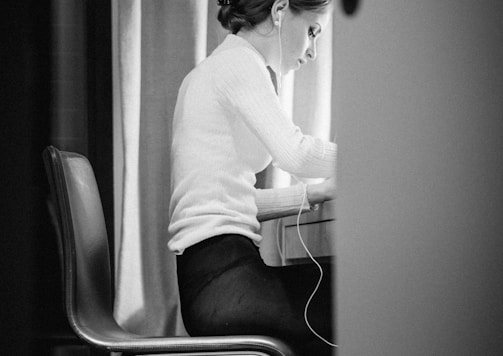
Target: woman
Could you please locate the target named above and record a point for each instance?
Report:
(228, 126)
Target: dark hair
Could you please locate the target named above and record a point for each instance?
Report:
(249, 13)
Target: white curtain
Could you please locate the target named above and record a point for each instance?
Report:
(156, 43)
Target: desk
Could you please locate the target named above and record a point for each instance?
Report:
(318, 232)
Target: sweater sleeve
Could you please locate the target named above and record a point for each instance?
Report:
(244, 84)
(280, 202)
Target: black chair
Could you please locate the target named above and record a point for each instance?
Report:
(85, 259)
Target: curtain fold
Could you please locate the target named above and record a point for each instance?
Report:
(129, 63)
(158, 43)
(157, 47)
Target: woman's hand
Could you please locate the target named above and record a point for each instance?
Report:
(320, 192)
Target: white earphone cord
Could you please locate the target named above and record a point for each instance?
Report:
(280, 75)
(317, 265)
(300, 211)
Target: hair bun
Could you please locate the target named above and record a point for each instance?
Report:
(232, 16)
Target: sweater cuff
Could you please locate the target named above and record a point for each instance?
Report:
(281, 202)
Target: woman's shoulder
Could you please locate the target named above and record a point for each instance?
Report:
(231, 63)
(234, 52)
(230, 58)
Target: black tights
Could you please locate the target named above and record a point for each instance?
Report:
(227, 289)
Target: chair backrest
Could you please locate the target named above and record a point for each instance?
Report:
(83, 240)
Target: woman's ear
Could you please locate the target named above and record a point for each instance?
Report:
(278, 10)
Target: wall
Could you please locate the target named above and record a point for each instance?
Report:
(419, 115)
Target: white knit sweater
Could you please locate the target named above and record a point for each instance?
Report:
(228, 125)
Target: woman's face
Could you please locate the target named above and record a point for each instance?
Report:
(299, 33)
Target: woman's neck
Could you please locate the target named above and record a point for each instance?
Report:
(264, 39)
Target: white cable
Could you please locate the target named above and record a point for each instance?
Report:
(279, 228)
(304, 197)
(319, 267)
(280, 75)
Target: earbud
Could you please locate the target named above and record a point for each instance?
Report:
(278, 21)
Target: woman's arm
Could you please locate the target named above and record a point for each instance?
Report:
(280, 202)
(321, 192)
(245, 87)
